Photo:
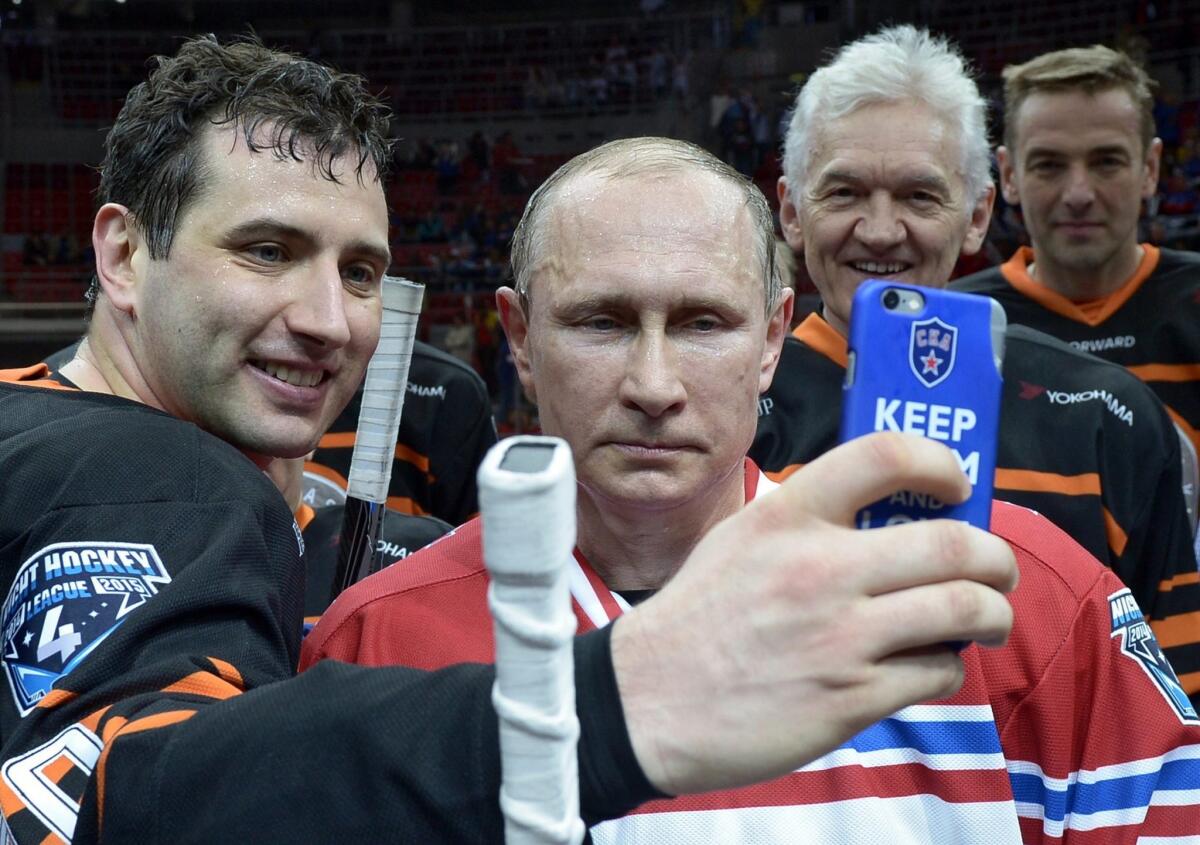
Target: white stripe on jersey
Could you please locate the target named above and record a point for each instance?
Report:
(945, 713)
(1132, 768)
(860, 821)
(899, 756)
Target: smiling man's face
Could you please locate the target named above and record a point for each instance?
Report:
(884, 198)
(259, 323)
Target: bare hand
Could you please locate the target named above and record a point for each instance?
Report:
(787, 631)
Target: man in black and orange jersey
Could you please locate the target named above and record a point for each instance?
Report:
(153, 573)
(445, 431)
(1081, 441)
(1079, 156)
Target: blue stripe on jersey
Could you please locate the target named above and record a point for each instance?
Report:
(1117, 793)
(942, 737)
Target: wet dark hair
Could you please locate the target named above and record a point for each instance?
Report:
(282, 103)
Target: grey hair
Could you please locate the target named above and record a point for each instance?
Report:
(894, 65)
(633, 158)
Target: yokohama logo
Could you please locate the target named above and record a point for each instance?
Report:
(1114, 405)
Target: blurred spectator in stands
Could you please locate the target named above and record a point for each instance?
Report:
(35, 251)
(487, 339)
(447, 167)
(507, 161)
(507, 387)
(480, 154)
(737, 135)
(656, 72)
(1179, 197)
(681, 79)
(748, 22)
(432, 228)
(534, 91)
(66, 250)
(1187, 157)
(459, 340)
(1166, 118)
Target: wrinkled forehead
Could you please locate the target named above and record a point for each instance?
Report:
(654, 221)
(880, 141)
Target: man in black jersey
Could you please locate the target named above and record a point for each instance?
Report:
(153, 573)
(1079, 157)
(1081, 441)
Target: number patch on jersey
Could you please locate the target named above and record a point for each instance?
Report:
(64, 601)
(37, 776)
(1138, 643)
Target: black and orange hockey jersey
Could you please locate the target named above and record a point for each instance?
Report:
(1150, 326)
(1081, 442)
(151, 626)
(445, 431)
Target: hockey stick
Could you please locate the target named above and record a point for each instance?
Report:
(375, 440)
(527, 500)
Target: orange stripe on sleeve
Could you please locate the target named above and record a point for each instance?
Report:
(403, 453)
(337, 440)
(403, 504)
(228, 671)
(1086, 484)
(783, 474)
(1117, 538)
(53, 839)
(92, 722)
(10, 803)
(56, 697)
(1166, 372)
(1179, 581)
(1183, 629)
(206, 684)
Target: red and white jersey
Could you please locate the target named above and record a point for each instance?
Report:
(1071, 732)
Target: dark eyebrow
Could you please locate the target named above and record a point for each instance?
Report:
(601, 302)
(269, 226)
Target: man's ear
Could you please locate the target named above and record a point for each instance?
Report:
(116, 243)
(1153, 165)
(778, 325)
(981, 216)
(516, 328)
(1006, 163)
(789, 216)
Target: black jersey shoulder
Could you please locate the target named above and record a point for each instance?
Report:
(438, 367)
(986, 281)
(65, 448)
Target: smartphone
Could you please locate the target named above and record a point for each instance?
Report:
(927, 362)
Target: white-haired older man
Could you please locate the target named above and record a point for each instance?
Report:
(886, 176)
(645, 322)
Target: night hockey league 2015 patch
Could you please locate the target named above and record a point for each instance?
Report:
(64, 601)
(1138, 643)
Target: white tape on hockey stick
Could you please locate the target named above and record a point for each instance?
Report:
(527, 502)
(375, 439)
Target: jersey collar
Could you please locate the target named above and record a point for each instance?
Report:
(1092, 313)
(818, 335)
(596, 603)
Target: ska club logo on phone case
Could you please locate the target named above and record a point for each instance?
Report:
(931, 348)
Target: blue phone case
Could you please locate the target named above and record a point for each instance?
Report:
(933, 371)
